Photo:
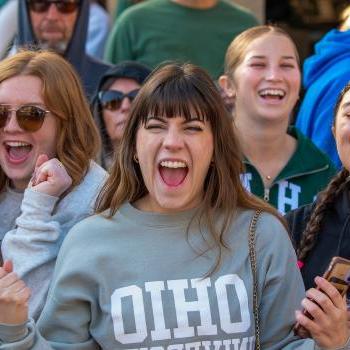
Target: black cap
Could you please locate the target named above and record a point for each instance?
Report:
(126, 69)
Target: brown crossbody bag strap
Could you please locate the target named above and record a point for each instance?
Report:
(252, 258)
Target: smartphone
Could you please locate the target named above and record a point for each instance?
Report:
(338, 274)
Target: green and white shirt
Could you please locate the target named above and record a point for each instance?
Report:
(307, 172)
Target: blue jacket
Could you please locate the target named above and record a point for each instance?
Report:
(325, 74)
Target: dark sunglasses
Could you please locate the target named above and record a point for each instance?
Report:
(63, 6)
(29, 118)
(112, 99)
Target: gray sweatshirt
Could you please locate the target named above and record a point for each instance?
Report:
(34, 237)
(137, 282)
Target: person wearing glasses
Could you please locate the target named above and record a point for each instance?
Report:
(62, 26)
(164, 263)
(111, 106)
(48, 180)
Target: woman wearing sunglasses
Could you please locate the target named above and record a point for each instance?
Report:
(117, 89)
(47, 179)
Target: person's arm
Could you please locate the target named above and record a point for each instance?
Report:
(69, 310)
(33, 245)
(98, 30)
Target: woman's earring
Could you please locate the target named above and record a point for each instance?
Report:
(136, 160)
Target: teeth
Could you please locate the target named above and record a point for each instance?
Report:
(170, 164)
(16, 144)
(274, 92)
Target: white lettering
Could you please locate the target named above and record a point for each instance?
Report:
(139, 315)
(221, 292)
(246, 178)
(160, 332)
(183, 307)
(194, 346)
(284, 200)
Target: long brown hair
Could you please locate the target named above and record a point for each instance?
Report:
(325, 199)
(78, 138)
(184, 90)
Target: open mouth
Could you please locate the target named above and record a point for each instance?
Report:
(121, 124)
(173, 173)
(17, 151)
(272, 94)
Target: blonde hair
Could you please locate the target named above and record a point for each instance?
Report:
(78, 138)
(344, 17)
(184, 90)
(238, 47)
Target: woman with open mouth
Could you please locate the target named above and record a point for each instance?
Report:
(164, 263)
(262, 76)
(47, 179)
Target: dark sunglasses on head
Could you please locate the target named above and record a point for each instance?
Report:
(63, 6)
(29, 118)
(112, 99)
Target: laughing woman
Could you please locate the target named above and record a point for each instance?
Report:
(263, 76)
(167, 263)
(46, 132)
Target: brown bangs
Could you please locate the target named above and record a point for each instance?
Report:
(181, 96)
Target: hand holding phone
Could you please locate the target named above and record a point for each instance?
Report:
(337, 275)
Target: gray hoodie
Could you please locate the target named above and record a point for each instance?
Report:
(136, 281)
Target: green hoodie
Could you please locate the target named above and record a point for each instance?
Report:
(307, 172)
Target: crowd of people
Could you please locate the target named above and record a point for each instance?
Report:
(142, 191)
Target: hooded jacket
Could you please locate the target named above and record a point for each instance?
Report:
(333, 240)
(307, 172)
(88, 68)
(325, 74)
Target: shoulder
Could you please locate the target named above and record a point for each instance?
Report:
(297, 220)
(271, 236)
(84, 194)
(309, 153)
(138, 11)
(268, 227)
(238, 11)
(92, 231)
(95, 173)
(96, 66)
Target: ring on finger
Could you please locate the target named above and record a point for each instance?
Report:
(60, 164)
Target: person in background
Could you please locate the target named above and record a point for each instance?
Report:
(98, 29)
(8, 26)
(164, 263)
(123, 5)
(322, 230)
(48, 179)
(180, 30)
(262, 75)
(111, 106)
(61, 26)
(325, 74)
